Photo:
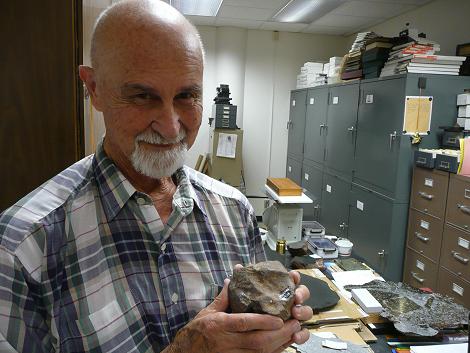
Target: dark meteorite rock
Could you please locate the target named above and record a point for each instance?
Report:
(264, 288)
(298, 248)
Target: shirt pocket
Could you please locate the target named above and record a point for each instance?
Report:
(111, 326)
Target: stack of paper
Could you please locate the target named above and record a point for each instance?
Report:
(311, 75)
(361, 40)
(334, 69)
(418, 56)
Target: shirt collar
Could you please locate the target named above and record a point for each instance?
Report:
(115, 190)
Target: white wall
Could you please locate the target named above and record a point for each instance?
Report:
(444, 21)
(261, 69)
(268, 72)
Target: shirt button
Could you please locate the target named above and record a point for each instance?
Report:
(163, 247)
(174, 298)
(141, 201)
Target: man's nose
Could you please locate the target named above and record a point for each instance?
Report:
(167, 122)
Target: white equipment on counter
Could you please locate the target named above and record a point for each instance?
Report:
(283, 218)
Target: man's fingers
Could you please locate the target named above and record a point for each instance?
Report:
(295, 276)
(302, 312)
(301, 294)
(250, 322)
(301, 337)
(221, 302)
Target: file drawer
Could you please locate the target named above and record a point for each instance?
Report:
(429, 191)
(455, 254)
(458, 202)
(425, 234)
(454, 287)
(420, 272)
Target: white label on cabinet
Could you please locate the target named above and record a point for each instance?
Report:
(293, 102)
(328, 188)
(420, 265)
(457, 289)
(306, 176)
(424, 225)
(290, 169)
(312, 100)
(360, 205)
(464, 243)
(335, 100)
(369, 98)
(428, 182)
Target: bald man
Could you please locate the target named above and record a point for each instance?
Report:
(125, 251)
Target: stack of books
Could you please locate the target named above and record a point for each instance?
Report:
(418, 56)
(352, 67)
(463, 104)
(361, 40)
(375, 55)
(311, 75)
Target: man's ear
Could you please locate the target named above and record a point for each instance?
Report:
(87, 75)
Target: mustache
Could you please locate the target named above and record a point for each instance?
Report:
(153, 137)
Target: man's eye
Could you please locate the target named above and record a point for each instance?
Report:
(186, 96)
(143, 96)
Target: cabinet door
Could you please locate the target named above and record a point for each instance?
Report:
(315, 125)
(379, 127)
(377, 227)
(312, 180)
(341, 128)
(294, 170)
(296, 124)
(334, 213)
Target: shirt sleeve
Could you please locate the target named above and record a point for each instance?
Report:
(23, 325)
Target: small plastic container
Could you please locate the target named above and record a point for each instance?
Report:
(344, 246)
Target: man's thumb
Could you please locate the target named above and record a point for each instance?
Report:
(221, 302)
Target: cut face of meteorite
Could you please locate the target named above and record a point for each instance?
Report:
(264, 288)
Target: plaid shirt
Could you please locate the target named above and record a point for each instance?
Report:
(88, 265)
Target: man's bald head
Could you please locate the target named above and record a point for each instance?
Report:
(139, 24)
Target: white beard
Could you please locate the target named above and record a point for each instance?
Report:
(158, 164)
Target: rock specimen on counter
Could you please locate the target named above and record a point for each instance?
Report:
(264, 288)
(298, 248)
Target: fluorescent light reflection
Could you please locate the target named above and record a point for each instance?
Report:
(305, 11)
(197, 7)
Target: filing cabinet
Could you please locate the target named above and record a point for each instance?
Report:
(438, 241)
(294, 170)
(429, 191)
(420, 272)
(425, 234)
(458, 202)
(454, 287)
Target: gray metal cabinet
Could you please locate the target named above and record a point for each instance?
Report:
(379, 142)
(294, 170)
(316, 124)
(296, 124)
(341, 129)
(377, 228)
(312, 180)
(334, 211)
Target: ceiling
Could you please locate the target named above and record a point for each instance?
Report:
(350, 17)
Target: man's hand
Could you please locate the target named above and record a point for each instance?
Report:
(215, 331)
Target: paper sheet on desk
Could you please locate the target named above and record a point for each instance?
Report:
(227, 145)
(356, 278)
(441, 348)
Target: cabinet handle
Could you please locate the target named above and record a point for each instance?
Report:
(425, 196)
(464, 209)
(393, 136)
(351, 129)
(381, 253)
(322, 126)
(459, 257)
(421, 237)
(415, 276)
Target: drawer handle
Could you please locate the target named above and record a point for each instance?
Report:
(464, 209)
(421, 237)
(459, 257)
(425, 196)
(415, 276)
